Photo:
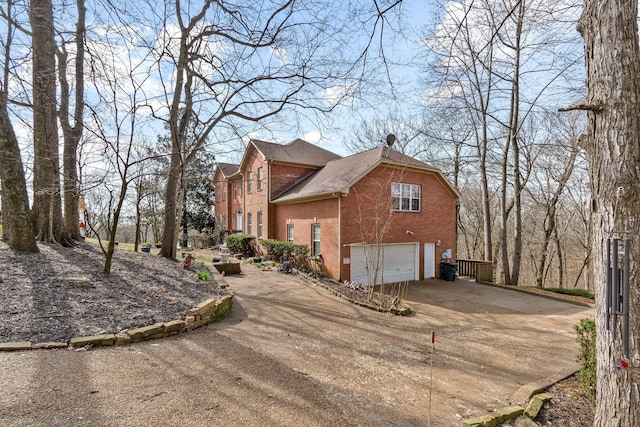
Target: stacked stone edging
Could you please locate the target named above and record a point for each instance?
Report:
(209, 311)
(523, 416)
(405, 311)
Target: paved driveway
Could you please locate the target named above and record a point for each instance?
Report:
(291, 354)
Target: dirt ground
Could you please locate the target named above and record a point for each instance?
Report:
(61, 293)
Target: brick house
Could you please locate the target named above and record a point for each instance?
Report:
(378, 207)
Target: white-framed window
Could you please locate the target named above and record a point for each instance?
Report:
(290, 232)
(224, 191)
(235, 189)
(259, 224)
(315, 239)
(224, 222)
(249, 223)
(405, 197)
(249, 180)
(260, 178)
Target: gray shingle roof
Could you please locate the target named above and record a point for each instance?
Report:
(297, 151)
(228, 169)
(338, 175)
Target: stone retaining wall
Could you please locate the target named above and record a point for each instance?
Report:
(211, 310)
(522, 416)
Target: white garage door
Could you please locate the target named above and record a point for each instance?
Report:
(399, 261)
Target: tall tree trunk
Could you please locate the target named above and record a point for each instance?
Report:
(16, 216)
(560, 254)
(177, 127)
(47, 206)
(504, 218)
(168, 249)
(511, 273)
(514, 136)
(610, 32)
(549, 225)
(72, 133)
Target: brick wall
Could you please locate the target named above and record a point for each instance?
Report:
(283, 176)
(302, 216)
(258, 199)
(367, 202)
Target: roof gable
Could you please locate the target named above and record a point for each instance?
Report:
(297, 151)
(339, 175)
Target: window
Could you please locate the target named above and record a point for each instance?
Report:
(249, 178)
(260, 178)
(249, 223)
(290, 232)
(224, 222)
(315, 239)
(239, 218)
(224, 191)
(405, 197)
(260, 224)
(235, 188)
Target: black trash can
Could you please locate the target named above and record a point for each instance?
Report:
(448, 271)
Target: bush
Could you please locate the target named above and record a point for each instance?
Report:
(241, 244)
(586, 331)
(284, 251)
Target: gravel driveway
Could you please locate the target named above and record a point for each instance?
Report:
(291, 354)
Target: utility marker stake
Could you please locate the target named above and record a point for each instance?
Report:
(433, 345)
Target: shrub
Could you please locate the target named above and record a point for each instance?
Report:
(241, 244)
(203, 275)
(284, 251)
(586, 331)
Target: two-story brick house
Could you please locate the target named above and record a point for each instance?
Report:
(378, 207)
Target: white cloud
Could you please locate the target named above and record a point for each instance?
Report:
(341, 94)
(281, 54)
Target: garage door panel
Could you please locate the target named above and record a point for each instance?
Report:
(399, 261)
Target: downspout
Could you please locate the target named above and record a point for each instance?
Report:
(269, 207)
(339, 234)
(244, 201)
(269, 171)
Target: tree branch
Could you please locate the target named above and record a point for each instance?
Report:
(595, 106)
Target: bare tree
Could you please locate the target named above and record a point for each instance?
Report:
(239, 65)
(47, 200)
(481, 53)
(552, 178)
(374, 227)
(464, 69)
(612, 52)
(116, 72)
(18, 229)
(72, 132)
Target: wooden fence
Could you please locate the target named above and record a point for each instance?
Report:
(482, 271)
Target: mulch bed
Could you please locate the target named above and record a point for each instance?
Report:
(61, 293)
(570, 407)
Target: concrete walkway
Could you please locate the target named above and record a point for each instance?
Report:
(291, 354)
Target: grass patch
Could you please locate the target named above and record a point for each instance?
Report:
(576, 292)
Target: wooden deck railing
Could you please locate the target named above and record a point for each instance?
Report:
(481, 270)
